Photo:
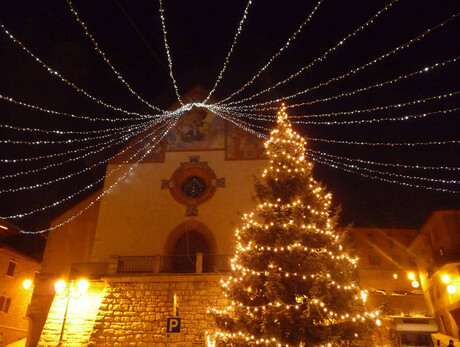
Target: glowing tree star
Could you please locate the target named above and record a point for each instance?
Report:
(292, 283)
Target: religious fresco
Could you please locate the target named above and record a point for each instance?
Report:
(197, 129)
(241, 145)
(138, 149)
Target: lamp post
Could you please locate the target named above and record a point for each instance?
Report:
(63, 292)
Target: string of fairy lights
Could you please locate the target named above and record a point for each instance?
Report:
(324, 55)
(276, 55)
(120, 127)
(349, 73)
(107, 61)
(227, 58)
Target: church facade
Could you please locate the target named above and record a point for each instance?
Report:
(155, 246)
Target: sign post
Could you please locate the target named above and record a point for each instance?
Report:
(173, 329)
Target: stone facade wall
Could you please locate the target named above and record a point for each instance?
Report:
(134, 311)
(79, 321)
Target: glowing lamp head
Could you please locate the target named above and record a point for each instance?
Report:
(378, 322)
(451, 289)
(411, 276)
(27, 284)
(83, 286)
(59, 286)
(395, 276)
(415, 284)
(445, 279)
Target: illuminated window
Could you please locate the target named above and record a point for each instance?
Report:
(11, 268)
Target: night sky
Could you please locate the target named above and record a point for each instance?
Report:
(200, 34)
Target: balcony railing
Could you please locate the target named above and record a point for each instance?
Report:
(157, 264)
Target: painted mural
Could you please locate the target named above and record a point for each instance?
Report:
(243, 145)
(197, 129)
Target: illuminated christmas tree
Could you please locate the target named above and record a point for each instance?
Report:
(292, 283)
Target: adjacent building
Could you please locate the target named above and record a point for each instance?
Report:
(437, 246)
(16, 266)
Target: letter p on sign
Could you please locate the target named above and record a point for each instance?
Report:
(173, 325)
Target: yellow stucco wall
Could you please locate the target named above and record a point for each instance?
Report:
(137, 216)
(14, 323)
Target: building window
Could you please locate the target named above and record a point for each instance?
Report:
(374, 259)
(7, 305)
(11, 268)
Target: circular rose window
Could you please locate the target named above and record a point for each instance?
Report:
(194, 187)
(193, 183)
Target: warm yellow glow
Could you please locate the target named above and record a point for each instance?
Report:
(395, 276)
(411, 275)
(27, 284)
(415, 284)
(59, 286)
(83, 286)
(3, 227)
(451, 289)
(378, 322)
(445, 279)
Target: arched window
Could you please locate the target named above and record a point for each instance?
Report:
(189, 243)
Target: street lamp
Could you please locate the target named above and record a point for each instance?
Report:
(65, 293)
(27, 284)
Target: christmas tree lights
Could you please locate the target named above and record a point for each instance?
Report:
(292, 283)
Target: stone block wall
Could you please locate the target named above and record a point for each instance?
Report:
(134, 311)
(79, 321)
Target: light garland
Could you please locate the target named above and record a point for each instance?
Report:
(156, 140)
(379, 108)
(391, 144)
(71, 115)
(362, 67)
(64, 142)
(67, 132)
(107, 61)
(75, 173)
(101, 148)
(356, 91)
(53, 72)
(437, 180)
(168, 54)
(337, 166)
(284, 47)
(227, 58)
(349, 122)
(54, 155)
(380, 120)
(421, 167)
(321, 57)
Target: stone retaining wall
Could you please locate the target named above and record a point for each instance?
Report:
(134, 311)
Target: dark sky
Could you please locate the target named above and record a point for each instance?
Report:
(200, 34)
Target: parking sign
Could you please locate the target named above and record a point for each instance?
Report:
(173, 325)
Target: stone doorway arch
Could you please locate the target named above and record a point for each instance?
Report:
(185, 242)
